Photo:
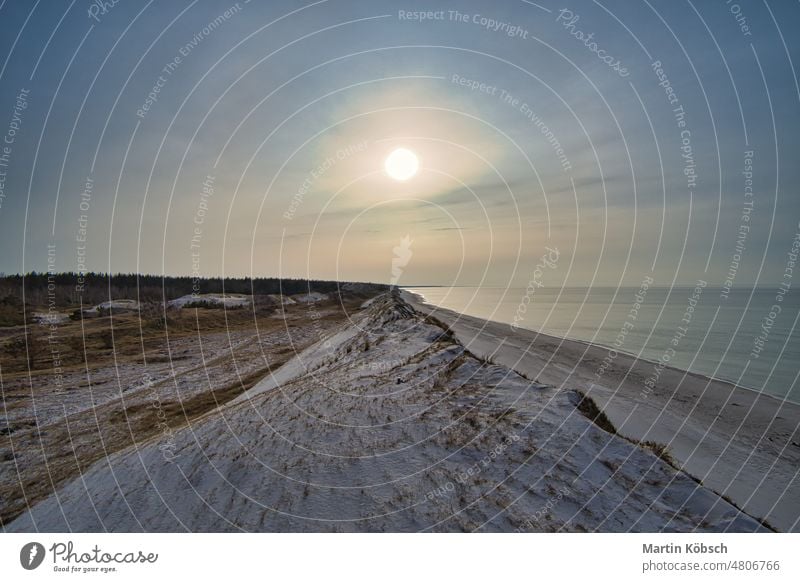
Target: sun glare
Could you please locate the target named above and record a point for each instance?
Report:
(401, 164)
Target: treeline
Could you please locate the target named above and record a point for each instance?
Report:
(68, 289)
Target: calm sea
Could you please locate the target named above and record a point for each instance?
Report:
(743, 339)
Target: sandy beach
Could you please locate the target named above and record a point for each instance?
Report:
(741, 444)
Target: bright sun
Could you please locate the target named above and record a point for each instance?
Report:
(402, 164)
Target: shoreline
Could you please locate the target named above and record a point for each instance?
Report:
(741, 443)
(591, 344)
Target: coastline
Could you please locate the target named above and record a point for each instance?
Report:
(387, 422)
(739, 442)
(419, 297)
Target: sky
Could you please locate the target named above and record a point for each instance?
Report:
(635, 139)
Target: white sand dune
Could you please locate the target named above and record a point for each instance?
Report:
(389, 424)
(229, 300)
(312, 297)
(116, 305)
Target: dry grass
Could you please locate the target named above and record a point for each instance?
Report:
(37, 458)
(590, 410)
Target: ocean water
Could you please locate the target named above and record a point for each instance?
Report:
(750, 338)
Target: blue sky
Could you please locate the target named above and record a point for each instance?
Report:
(288, 109)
